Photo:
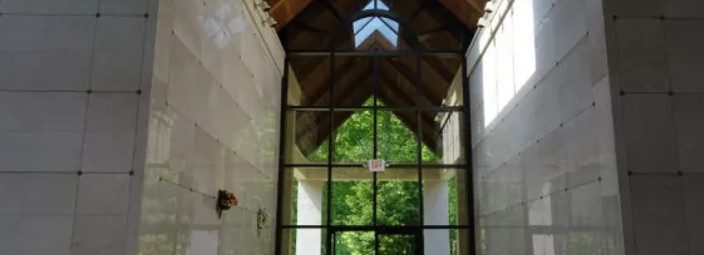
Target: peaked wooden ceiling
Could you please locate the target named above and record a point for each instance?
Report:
(468, 11)
(401, 81)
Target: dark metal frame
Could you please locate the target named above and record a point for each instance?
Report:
(416, 230)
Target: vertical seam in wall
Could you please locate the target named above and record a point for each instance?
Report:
(135, 144)
(671, 96)
(80, 168)
(624, 180)
(667, 56)
(513, 54)
(85, 131)
(139, 92)
(677, 164)
(144, 46)
(92, 54)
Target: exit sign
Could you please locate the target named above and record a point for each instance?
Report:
(376, 165)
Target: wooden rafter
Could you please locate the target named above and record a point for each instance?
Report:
(321, 95)
(319, 128)
(410, 119)
(284, 11)
(326, 25)
(408, 85)
(404, 70)
(467, 11)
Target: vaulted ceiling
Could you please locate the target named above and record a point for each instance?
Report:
(397, 80)
(468, 11)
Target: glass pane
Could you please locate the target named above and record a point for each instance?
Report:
(352, 196)
(444, 136)
(446, 241)
(397, 245)
(352, 79)
(398, 197)
(398, 82)
(307, 134)
(353, 136)
(444, 196)
(354, 243)
(304, 196)
(441, 81)
(396, 130)
(308, 81)
(302, 241)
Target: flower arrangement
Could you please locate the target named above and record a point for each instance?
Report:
(225, 201)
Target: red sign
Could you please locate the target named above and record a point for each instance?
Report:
(376, 165)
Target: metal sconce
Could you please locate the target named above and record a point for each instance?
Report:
(481, 22)
(271, 21)
(264, 6)
(262, 218)
(489, 7)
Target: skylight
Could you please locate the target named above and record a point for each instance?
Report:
(365, 27)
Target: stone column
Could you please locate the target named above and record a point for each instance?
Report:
(436, 212)
(310, 204)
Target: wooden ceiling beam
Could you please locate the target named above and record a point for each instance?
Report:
(410, 119)
(360, 75)
(315, 65)
(331, 8)
(477, 4)
(435, 64)
(308, 28)
(433, 32)
(409, 86)
(321, 125)
(321, 96)
(312, 14)
(284, 11)
(388, 84)
(419, 8)
(465, 11)
(402, 69)
(440, 68)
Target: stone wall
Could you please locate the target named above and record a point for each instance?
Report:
(213, 125)
(74, 95)
(542, 134)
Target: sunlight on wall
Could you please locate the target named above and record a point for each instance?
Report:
(540, 214)
(509, 58)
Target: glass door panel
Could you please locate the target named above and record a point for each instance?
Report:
(353, 243)
(398, 197)
(401, 244)
(351, 197)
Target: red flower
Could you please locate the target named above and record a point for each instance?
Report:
(231, 199)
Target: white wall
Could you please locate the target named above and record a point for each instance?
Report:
(656, 54)
(213, 124)
(73, 98)
(543, 147)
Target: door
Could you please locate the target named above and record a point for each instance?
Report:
(399, 243)
(380, 242)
